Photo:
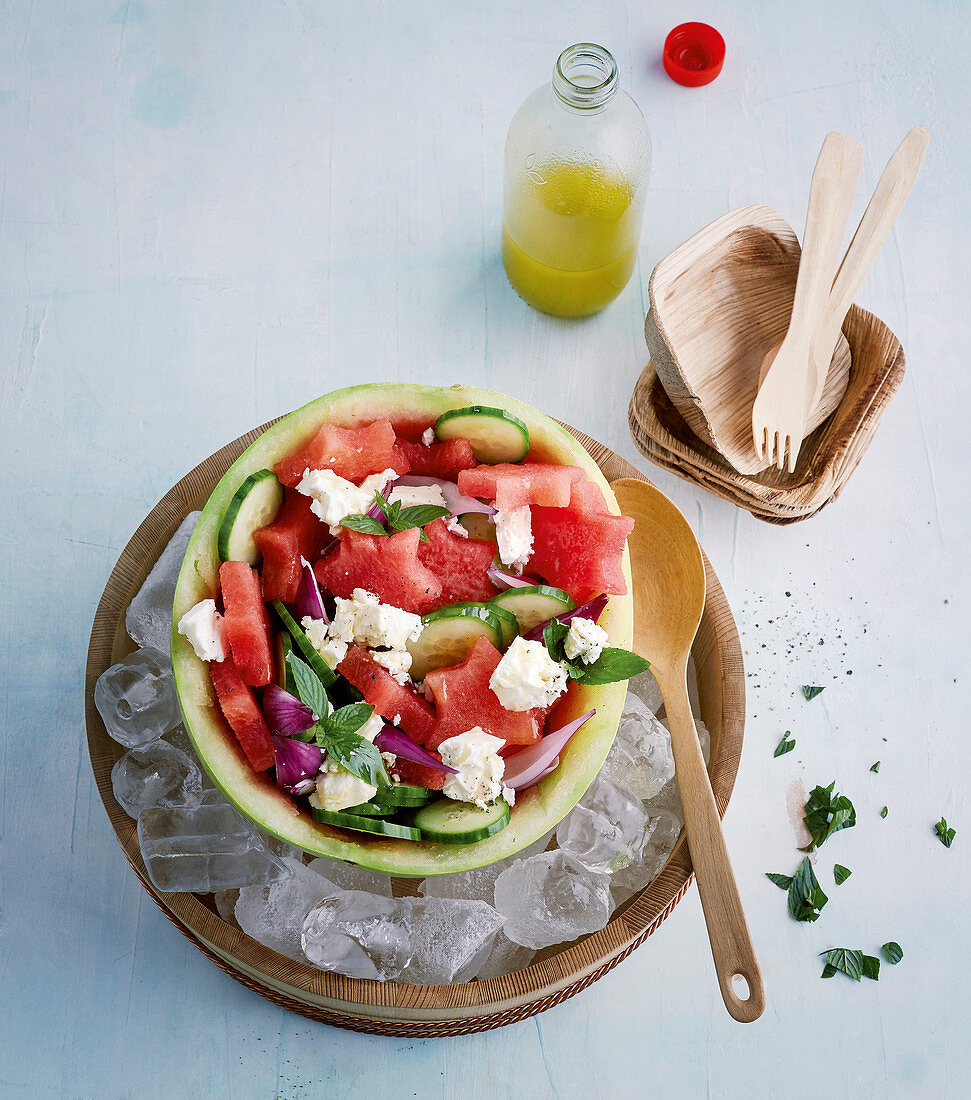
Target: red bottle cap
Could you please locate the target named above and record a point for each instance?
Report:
(694, 54)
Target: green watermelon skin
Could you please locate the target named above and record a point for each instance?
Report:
(538, 809)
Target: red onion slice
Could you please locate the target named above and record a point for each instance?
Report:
(528, 766)
(296, 762)
(456, 501)
(592, 609)
(393, 740)
(309, 600)
(285, 713)
(503, 579)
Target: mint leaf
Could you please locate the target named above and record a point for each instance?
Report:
(782, 881)
(810, 691)
(784, 746)
(554, 635)
(612, 665)
(841, 874)
(368, 525)
(349, 719)
(309, 688)
(338, 736)
(871, 967)
(884, 811)
(806, 897)
(828, 971)
(892, 952)
(826, 814)
(944, 834)
(875, 767)
(418, 515)
(845, 960)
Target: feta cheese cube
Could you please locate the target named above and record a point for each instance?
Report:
(410, 495)
(514, 534)
(364, 620)
(205, 630)
(337, 789)
(396, 661)
(452, 523)
(331, 650)
(528, 677)
(585, 640)
(334, 497)
(479, 767)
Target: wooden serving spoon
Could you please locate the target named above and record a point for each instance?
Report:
(669, 597)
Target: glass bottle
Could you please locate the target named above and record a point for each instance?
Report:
(578, 157)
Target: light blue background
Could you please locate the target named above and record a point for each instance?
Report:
(212, 212)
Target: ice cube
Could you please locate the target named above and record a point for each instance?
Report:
(478, 884)
(136, 698)
(360, 935)
(452, 939)
(148, 619)
(348, 876)
(644, 688)
(505, 957)
(157, 775)
(550, 898)
(598, 843)
(273, 914)
(640, 759)
(664, 831)
(204, 848)
(226, 905)
(622, 809)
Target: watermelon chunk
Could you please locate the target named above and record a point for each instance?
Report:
(580, 550)
(296, 532)
(444, 459)
(459, 563)
(464, 699)
(419, 775)
(247, 623)
(512, 486)
(243, 714)
(352, 453)
(398, 704)
(386, 565)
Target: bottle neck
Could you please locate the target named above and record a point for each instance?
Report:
(585, 77)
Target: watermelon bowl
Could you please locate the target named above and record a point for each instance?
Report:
(537, 810)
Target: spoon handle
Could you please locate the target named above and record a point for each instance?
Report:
(728, 932)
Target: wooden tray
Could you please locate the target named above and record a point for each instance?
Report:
(828, 456)
(391, 1008)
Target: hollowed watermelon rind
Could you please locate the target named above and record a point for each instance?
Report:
(537, 810)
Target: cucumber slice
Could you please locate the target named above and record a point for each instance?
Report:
(449, 633)
(495, 435)
(282, 645)
(370, 809)
(534, 605)
(479, 526)
(327, 676)
(399, 796)
(344, 820)
(510, 624)
(255, 504)
(449, 822)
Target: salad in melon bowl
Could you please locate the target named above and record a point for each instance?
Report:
(401, 627)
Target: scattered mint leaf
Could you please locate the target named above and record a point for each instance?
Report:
(784, 746)
(806, 897)
(310, 690)
(826, 814)
(418, 515)
(944, 834)
(841, 873)
(338, 736)
(884, 811)
(612, 665)
(845, 960)
(871, 967)
(875, 767)
(782, 881)
(810, 691)
(367, 525)
(892, 952)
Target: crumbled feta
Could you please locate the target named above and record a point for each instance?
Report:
(410, 495)
(428, 436)
(396, 661)
(585, 640)
(509, 794)
(479, 767)
(332, 650)
(334, 497)
(337, 789)
(527, 676)
(205, 630)
(514, 534)
(371, 728)
(452, 523)
(364, 620)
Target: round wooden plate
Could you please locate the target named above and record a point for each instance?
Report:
(391, 1008)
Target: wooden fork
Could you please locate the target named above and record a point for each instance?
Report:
(780, 409)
